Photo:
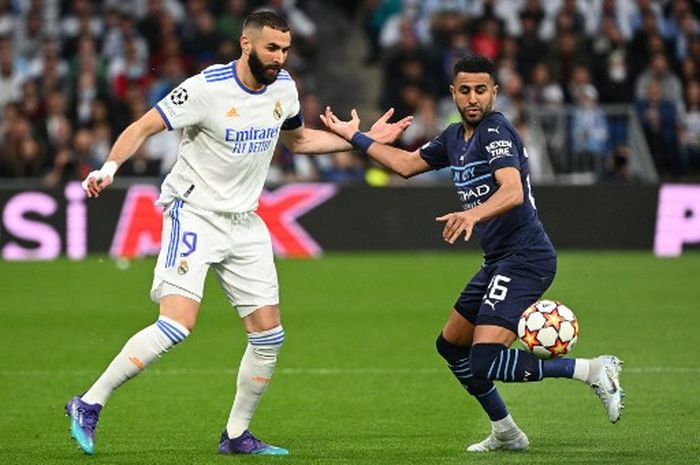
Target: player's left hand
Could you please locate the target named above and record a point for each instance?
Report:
(456, 224)
(387, 133)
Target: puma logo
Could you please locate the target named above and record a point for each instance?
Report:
(493, 130)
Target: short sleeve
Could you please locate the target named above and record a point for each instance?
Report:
(501, 147)
(435, 152)
(186, 105)
(294, 118)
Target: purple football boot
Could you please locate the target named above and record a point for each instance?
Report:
(246, 443)
(83, 421)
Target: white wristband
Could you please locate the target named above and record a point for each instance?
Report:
(109, 168)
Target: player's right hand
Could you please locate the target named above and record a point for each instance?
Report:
(96, 182)
(344, 129)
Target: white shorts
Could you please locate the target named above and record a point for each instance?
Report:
(236, 245)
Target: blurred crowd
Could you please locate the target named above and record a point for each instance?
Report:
(561, 62)
(74, 74)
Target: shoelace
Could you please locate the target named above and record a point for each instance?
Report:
(251, 442)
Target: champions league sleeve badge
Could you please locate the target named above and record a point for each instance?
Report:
(179, 96)
(277, 112)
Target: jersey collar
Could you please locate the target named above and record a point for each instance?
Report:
(243, 86)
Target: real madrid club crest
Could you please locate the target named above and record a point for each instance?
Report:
(277, 112)
(183, 267)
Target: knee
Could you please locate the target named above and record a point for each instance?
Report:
(266, 344)
(482, 358)
(181, 309)
(449, 351)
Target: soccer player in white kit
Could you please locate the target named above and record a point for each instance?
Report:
(232, 116)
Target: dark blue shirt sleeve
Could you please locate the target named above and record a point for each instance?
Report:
(435, 152)
(501, 147)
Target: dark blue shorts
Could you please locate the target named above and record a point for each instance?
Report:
(500, 292)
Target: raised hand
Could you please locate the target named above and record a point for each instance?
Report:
(381, 131)
(344, 129)
(387, 133)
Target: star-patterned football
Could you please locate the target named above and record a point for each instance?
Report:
(548, 329)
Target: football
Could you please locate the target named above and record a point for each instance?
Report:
(548, 329)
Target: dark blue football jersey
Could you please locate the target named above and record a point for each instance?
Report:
(494, 144)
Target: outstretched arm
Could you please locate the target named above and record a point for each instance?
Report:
(314, 141)
(125, 146)
(400, 161)
(508, 195)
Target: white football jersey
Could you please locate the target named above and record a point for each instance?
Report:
(228, 138)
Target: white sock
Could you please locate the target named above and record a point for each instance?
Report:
(138, 352)
(582, 369)
(254, 375)
(503, 425)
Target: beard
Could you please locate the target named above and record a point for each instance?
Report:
(473, 121)
(264, 74)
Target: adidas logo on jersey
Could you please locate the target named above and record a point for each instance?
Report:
(232, 113)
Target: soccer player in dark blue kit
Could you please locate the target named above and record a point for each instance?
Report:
(490, 171)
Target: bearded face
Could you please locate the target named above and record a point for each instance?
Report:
(264, 74)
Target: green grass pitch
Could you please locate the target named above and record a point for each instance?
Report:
(358, 380)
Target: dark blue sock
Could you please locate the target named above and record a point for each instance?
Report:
(558, 368)
(484, 391)
(495, 361)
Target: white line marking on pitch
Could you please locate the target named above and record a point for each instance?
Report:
(313, 371)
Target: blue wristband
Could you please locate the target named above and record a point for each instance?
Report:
(361, 141)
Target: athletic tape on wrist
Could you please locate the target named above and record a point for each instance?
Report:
(109, 168)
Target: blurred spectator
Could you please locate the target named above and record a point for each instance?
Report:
(511, 99)
(305, 40)
(660, 73)
(610, 65)
(618, 168)
(589, 131)
(347, 167)
(486, 40)
(159, 15)
(659, 116)
(542, 90)
(74, 161)
(230, 23)
(567, 52)
(172, 74)
(425, 125)
(10, 80)
(20, 154)
(29, 35)
(204, 40)
(127, 69)
(376, 13)
(408, 62)
(646, 37)
(531, 49)
(690, 125)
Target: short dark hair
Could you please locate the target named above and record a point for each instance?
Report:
(263, 18)
(475, 64)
